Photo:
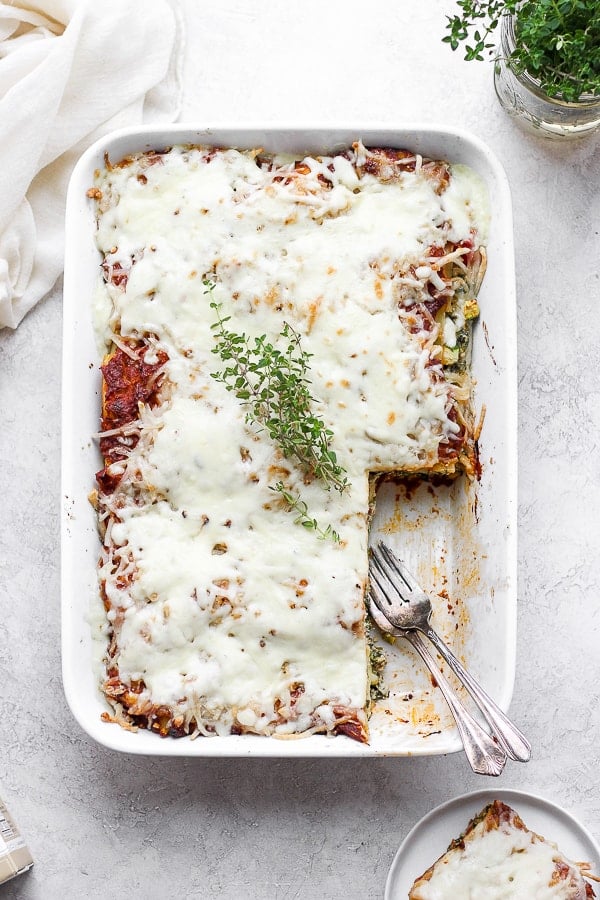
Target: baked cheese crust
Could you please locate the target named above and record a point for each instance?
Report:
(499, 858)
(233, 578)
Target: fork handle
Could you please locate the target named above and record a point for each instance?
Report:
(514, 742)
(485, 756)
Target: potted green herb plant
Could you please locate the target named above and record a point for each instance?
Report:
(547, 58)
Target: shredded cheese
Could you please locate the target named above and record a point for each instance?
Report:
(224, 609)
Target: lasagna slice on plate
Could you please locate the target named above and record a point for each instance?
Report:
(499, 858)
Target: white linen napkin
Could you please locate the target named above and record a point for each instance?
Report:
(70, 71)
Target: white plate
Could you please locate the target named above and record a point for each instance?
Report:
(462, 540)
(430, 837)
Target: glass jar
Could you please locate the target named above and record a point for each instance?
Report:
(15, 857)
(522, 98)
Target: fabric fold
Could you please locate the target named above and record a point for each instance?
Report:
(70, 71)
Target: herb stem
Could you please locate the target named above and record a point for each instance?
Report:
(275, 389)
(298, 505)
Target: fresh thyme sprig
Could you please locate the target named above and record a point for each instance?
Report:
(477, 22)
(298, 505)
(274, 386)
(557, 42)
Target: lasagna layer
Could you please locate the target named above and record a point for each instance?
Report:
(233, 572)
(499, 858)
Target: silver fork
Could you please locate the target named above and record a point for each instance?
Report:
(407, 608)
(485, 756)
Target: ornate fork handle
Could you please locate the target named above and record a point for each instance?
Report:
(485, 756)
(513, 741)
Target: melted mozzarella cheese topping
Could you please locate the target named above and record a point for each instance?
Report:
(233, 605)
(506, 863)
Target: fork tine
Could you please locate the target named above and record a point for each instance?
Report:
(398, 568)
(378, 568)
(378, 558)
(383, 576)
(387, 567)
(377, 588)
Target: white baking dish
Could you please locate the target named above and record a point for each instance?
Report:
(460, 540)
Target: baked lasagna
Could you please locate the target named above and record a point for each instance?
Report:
(499, 858)
(278, 332)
